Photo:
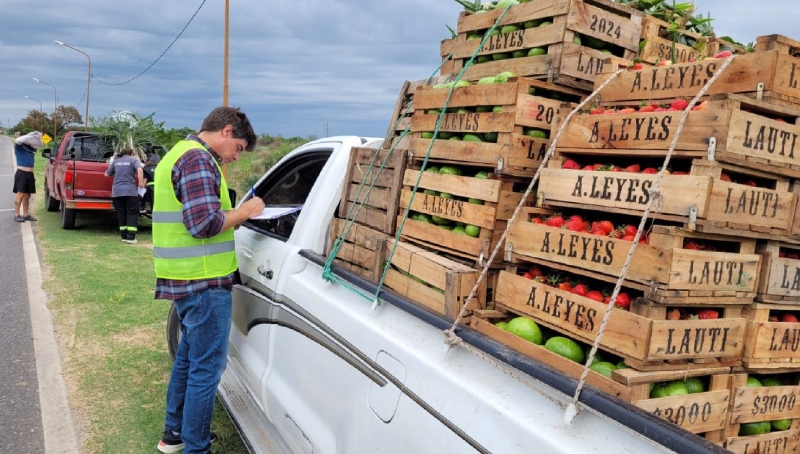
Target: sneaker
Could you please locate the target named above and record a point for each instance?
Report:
(133, 241)
(30, 218)
(172, 443)
(19, 219)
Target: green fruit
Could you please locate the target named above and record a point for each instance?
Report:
(605, 51)
(432, 169)
(486, 80)
(475, 201)
(472, 230)
(518, 54)
(450, 170)
(427, 135)
(753, 382)
(460, 230)
(593, 42)
(482, 174)
(537, 133)
(444, 135)
(441, 221)
(446, 195)
(576, 39)
(780, 424)
(531, 90)
(503, 77)
(474, 36)
(483, 109)
(441, 86)
(755, 428)
(497, 109)
(448, 227)
(566, 347)
(526, 329)
(510, 29)
(463, 110)
(433, 112)
(771, 381)
(676, 388)
(694, 385)
(490, 137)
(531, 23)
(503, 4)
(472, 138)
(483, 58)
(621, 365)
(430, 192)
(603, 368)
(545, 24)
(455, 137)
(658, 391)
(536, 51)
(502, 325)
(501, 56)
(422, 217)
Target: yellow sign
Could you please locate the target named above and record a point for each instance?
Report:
(46, 139)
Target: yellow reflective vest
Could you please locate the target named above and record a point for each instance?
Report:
(177, 254)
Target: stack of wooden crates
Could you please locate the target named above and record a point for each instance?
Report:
(724, 236)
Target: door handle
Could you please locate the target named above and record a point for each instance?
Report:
(264, 272)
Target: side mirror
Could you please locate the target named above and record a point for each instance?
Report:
(47, 152)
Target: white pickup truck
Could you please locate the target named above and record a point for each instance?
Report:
(316, 368)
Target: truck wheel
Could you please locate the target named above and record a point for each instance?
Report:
(67, 217)
(50, 204)
(173, 331)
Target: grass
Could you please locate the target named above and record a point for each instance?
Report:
(111, 332)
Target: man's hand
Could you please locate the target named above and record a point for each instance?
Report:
(253, 207)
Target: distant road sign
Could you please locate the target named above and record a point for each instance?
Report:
(46, 139)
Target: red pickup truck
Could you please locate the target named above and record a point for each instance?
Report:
(74, 176)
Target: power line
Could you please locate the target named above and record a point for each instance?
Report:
(162, 53)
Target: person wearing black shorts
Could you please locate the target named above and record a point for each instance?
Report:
(24, 181)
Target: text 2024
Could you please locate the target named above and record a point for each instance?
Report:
(603, 26)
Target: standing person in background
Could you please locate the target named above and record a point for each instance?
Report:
(24, 181)
(193, 222)
(128, 175)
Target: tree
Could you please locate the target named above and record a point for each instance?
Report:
(65, 118)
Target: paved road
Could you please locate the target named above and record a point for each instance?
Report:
(34, 416)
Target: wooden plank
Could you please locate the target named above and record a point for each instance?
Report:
(784, 442)
(658, 47)
(765, 403)
(620, 27)
(697, 413)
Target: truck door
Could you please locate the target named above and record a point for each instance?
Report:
(262, 246)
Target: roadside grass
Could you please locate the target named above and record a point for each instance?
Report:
(111, 332)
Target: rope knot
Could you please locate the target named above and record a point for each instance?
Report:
(451, 339)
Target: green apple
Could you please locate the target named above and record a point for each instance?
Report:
(503, 77)
(536, 51)
(472, 230)
(472, 138)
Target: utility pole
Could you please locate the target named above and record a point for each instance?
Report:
(327, 130)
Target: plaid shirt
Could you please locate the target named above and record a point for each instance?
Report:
(196, 179)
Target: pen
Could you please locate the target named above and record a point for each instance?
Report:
(253, 192)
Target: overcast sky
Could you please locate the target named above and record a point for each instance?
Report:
(294, 66)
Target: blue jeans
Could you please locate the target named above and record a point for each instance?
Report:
(205, 320)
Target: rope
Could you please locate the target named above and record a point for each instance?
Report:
(450, 337)
(655, 198)
(439, 120)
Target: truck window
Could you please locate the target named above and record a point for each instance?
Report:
(289, 186)
(92, 148)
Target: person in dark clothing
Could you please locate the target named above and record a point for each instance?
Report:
(24, 181)
(128, 176)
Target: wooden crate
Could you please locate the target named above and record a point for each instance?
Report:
(705, 412)
(765, 403)
(362, 250)
(780, 275)
(701, 200)
(658, 46)
(663, 269)
(771, 346)
(370, 192)
(431, 280)
(642, 336)
(499, 203)
(398, 135)
(770, 75)
(513, 152)
(733, 129)
(565, 63)
(446, 49)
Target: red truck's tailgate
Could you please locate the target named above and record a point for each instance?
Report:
(90, 180)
